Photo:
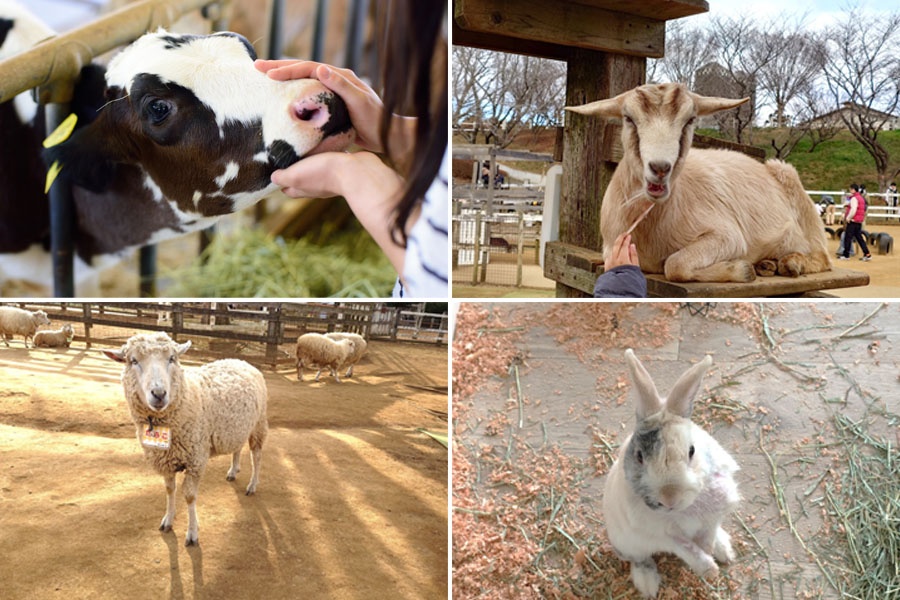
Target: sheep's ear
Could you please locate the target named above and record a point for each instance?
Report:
(116, 355)
(707, 105)
(681, 399)
(610, 108)
(648, 401)
(182, 348)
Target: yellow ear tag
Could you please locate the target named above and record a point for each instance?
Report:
(59, 135)
(52, 174)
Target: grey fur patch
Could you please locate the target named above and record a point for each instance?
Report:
(648, 442)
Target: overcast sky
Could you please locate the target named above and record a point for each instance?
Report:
(820, 13)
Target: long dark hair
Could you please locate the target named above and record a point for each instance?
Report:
(411, 47)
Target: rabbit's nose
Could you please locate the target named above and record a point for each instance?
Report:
(669, 496)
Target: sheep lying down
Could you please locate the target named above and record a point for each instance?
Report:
(185, 415)
(702, 215)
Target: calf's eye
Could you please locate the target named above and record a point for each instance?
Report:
(158, 110)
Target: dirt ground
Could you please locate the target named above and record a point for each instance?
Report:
(883, 270)
(541, 402)
(352, 501)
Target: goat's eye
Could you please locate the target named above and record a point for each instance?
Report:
(158, 110)
(628, 120)
(172, 360)
(133, 361)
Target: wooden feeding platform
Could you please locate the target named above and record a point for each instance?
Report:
(605, 44)
(578, 269)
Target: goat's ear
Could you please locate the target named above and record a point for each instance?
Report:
(612, 107)
(707, 105)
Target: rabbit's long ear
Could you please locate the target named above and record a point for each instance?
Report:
(648, 400)
(681, 398)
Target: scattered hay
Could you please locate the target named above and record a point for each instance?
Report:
(863, 511)
(251, 264)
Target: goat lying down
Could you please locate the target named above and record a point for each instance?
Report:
(718, 215)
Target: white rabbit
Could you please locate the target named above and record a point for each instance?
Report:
(671, 485)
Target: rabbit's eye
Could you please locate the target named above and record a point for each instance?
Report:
(691, 453)
(640, 457)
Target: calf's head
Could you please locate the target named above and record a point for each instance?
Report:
(152, 371)
(657, 129)
(203, 124)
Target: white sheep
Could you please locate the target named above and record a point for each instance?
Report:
(16, 321)
(184, 415)
(716, 215)
(316, 351)
(359, 348)
(60, 338)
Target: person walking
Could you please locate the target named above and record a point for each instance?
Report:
(828, 201)
(854, 215)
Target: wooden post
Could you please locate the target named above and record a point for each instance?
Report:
(477, 251)
(86, 312)
(273, 330)
(589, 141)
(520, 238)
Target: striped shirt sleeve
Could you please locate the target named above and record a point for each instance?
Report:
(425, 266)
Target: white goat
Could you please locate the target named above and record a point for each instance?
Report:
(717, 215)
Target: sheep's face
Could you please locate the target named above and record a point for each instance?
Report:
(657, 130)
(152, 370)
(41, 318)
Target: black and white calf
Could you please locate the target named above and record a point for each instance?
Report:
(185, 131)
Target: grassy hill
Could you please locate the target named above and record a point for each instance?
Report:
(832, 166)
(836, 163)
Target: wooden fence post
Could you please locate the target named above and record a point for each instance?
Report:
(476, 261)
(273, 336)
(86, 311)
(520, 238)
(177, 319)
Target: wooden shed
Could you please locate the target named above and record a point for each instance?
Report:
(605, 44)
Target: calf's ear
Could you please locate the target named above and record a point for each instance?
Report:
(89, 157)
(85, 160)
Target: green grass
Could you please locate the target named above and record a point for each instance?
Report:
(834, 164)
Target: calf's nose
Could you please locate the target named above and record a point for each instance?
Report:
(324, 111)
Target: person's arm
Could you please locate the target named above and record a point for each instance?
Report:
(851, 209)
(622, 276)
(370, 187)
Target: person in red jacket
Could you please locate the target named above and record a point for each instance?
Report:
(854, 215)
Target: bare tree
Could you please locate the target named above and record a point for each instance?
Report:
(743, 49)
(862, 71)
(687, 49)
(817, 116)
(496, 95)
(469, 67)
(798, 60)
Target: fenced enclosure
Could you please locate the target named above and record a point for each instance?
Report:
(256, 329)
(500, 249)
